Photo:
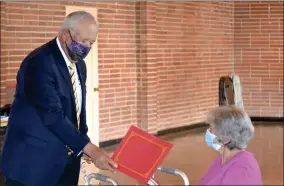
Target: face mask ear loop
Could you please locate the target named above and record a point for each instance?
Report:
(70, 36)
(226, 145)
(71, 40)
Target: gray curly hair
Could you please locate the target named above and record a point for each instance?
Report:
(232, 126)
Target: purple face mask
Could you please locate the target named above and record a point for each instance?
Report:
(76, 50)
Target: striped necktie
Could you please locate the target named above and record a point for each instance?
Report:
(74, 82)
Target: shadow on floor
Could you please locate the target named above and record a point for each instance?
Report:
(191, 155)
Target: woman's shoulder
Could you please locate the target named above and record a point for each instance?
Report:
(246, 159)
(244, 170)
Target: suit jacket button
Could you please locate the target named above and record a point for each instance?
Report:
(69, 153)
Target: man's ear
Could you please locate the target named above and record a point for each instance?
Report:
(65, 34)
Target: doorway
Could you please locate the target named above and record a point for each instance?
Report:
(92, 97)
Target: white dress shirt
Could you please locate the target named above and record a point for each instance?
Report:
(78, 84)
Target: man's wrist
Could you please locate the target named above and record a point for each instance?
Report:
(87, 149)
(91, 150)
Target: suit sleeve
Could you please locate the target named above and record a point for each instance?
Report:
(39, 87)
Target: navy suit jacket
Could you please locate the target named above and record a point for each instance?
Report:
(42, 132)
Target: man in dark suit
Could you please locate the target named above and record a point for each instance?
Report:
(47, 131)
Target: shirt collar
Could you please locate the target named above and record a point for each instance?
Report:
(67, 61)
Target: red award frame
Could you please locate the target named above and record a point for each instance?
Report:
(139, 154)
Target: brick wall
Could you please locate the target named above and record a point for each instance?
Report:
(3, 59)
(159, 62)
(28, 25)
(194, 48)
(259, 56)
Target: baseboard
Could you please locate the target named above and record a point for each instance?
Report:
(267, 119)
(190, 127)
(180, 129)
(159, 133)
(109, 143)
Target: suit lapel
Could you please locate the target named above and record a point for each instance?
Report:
(60, 62)
(79, 70)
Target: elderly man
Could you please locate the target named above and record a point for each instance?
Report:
(47, 131)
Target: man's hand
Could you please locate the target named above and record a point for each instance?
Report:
(99, 157)
(87, 158)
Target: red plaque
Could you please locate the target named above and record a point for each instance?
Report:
(139, 154)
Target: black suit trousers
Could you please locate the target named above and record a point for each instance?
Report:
(70, 176)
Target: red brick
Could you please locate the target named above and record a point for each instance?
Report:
(251, 56)
(270, 25)
(258, 10)
(259, 40)
(51, 7)
(276, 10)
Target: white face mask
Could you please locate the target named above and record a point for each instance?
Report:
(209, 138)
